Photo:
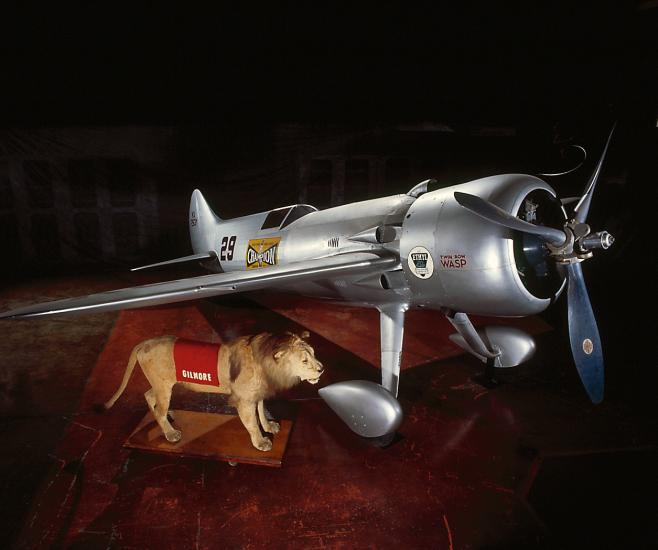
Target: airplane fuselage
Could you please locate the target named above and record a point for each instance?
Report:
(449, 258)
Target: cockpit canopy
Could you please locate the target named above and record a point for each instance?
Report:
(283, 217)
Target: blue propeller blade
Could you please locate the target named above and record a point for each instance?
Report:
(584, 335)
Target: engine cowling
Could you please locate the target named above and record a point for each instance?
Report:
(456, 259)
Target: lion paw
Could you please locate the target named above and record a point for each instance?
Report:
(264, 445)
(273, 427)
(174, 437)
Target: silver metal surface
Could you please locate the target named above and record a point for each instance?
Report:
(474, 268)
(376, 235)
(209, 285)
(469, 338)
(514, 346)
(420, 189)
(366, 407)
(203, 224)
(601, 239)
(191, 258)
(499, 216)
(391, 333)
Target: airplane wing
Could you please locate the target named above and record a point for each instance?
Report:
(206, 286)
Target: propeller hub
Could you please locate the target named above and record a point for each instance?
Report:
(565, 253)
(580, 243)
(580, 230)
(602, 239)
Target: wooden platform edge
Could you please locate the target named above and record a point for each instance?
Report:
(211, 436)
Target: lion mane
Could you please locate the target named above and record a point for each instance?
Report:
(260, 351)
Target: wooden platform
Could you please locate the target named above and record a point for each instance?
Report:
(210, 435)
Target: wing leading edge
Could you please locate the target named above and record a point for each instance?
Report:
(206, 286)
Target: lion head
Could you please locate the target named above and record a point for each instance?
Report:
(296, 358)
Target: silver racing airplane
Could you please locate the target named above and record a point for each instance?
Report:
(498, 246)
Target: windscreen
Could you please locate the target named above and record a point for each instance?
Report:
(275, 218)
(297, 212)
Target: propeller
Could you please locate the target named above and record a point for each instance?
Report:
(497, 215)
(582, 208)
(568, 246)
(584, 334)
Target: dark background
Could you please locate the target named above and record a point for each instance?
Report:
(151, 64)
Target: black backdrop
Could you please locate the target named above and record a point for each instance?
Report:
(147, 63)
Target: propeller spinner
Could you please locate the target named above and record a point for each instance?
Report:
(568, 246)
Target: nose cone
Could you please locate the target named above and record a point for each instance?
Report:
(369, 409)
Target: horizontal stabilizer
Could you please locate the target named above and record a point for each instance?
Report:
(205, 286)
(194, 257)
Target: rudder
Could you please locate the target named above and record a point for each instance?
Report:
(203, 224)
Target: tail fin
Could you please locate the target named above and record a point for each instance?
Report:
(203, 224)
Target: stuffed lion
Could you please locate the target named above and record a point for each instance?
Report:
(249, 369)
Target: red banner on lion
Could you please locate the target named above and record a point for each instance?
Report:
(196, 362)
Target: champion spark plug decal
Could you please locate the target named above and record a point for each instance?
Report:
(263, 252)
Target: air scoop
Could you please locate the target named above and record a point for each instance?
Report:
(369, 409)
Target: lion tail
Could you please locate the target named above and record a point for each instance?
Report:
(126, 376)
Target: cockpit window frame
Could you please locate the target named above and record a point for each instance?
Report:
(290, 214)
(276, 217)
(291, 217)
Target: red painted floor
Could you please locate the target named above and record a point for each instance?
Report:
(530, 464)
